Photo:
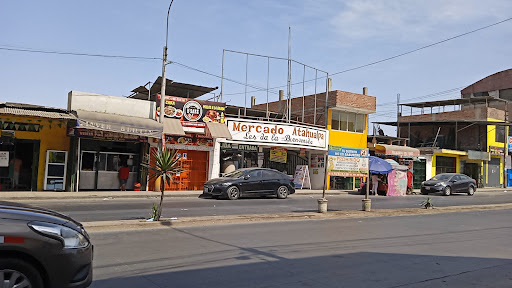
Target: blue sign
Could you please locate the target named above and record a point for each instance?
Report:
(348, 152)
(509, 143)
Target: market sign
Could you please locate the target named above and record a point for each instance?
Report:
(192, 113)
(277, 134)
(347, 162)
(497, 150)
(239, 147)
(278, 154)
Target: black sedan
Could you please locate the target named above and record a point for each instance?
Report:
(41, 248)
(449, 183)
(250, 181)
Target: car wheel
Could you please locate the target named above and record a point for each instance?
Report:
(447, 191)
(233, 193)
(424, 192)
(18, 273)
(282, 192)
(471, 190)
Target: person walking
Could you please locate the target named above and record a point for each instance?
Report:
(375, 183)
(124, 173)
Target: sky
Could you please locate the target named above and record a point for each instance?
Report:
(329, 35)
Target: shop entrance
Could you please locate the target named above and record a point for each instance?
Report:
(494, 172)
(195, 165)
(25, 165)
(473, 171)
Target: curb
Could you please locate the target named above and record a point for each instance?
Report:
(125, 225)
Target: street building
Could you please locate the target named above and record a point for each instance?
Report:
(34, 147)
(467, 135)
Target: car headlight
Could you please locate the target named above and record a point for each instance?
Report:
(69, 237)
(225, 184)
(439, 184)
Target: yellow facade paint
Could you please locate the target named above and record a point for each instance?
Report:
(346, 139)
(434, 160)
(51, 136)
(491, 141)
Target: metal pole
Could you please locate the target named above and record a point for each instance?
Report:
(289, 112)
(398, 115)
(149, 91)
(268, 79)
(222, 79)
(303, 92)
(326, 162)
(314, 113)
(78, 167)
(246, 72)
(164, 64)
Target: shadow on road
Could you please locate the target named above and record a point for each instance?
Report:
(365, 269)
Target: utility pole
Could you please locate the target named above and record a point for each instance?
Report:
(164, 64)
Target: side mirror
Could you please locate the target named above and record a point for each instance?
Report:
(246, 177)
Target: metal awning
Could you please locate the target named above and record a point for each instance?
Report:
(396, 150)
(173, 127)
(19, 109)
(217, 130)
(119, 123)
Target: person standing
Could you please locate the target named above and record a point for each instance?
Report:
(17, 168)
(124, 173)
(375, 183)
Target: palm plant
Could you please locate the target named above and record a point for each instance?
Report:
(166, 166)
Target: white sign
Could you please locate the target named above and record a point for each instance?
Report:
(4, 158)
(301, 177)
(278, 134)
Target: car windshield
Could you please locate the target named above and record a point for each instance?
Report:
(442, 177)
(234, 174)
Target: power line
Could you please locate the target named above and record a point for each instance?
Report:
(78, 54)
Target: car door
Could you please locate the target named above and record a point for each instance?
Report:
(465, 182)
(270, 180)
(457, 183)
(252, 183)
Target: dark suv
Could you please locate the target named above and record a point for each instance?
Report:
(40, 248)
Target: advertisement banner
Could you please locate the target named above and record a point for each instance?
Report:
(301, 177)
(192, 113)
(189, 140)
(278, 134)
(105, 135)
(278, 154)
(4, 158)
(347, 162)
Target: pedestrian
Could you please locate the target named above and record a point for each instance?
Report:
(124, 173)
(375, 183)
(16, 175)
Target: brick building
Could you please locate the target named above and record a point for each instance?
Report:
(465, 135)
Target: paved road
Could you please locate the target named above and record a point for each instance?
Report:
(470, 249)
(119, 209)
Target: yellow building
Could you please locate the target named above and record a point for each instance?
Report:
(33, 147)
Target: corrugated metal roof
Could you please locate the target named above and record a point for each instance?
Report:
(36, 113)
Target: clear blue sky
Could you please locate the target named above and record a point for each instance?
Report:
(331, 35)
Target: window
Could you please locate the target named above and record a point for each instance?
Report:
(348, 121)
(269, 174)
(500, 134)
(255, 174)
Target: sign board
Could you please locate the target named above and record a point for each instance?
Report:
(509, 143)
(497, 150)
(105, 135)
(278, 154)
(347, 162)
(301, 177)
(192, 113)
(4, 158)
(277, 134)
(189, 140)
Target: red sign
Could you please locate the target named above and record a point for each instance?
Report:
(189, 139)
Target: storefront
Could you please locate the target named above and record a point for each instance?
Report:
(33, 147)
(107, 142)
(280, 146)
(191, 127)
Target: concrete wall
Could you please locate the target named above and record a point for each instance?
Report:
(111, 104)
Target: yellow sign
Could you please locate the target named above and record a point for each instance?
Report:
(278, 154)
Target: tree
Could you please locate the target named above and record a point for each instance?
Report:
(165, 167)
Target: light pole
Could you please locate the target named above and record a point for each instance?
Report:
(164, 64)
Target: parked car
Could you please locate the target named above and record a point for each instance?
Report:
(449, 183)
(40, 248)
(250, 181)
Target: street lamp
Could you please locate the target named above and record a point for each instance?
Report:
(164, 64)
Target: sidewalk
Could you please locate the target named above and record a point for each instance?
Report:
(95, 195)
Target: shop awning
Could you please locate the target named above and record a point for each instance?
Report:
(173, 127)
(119, 123)
(396, 150)
(218, 130)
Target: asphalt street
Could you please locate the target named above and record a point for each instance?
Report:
(470, 249)
(122, 209)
